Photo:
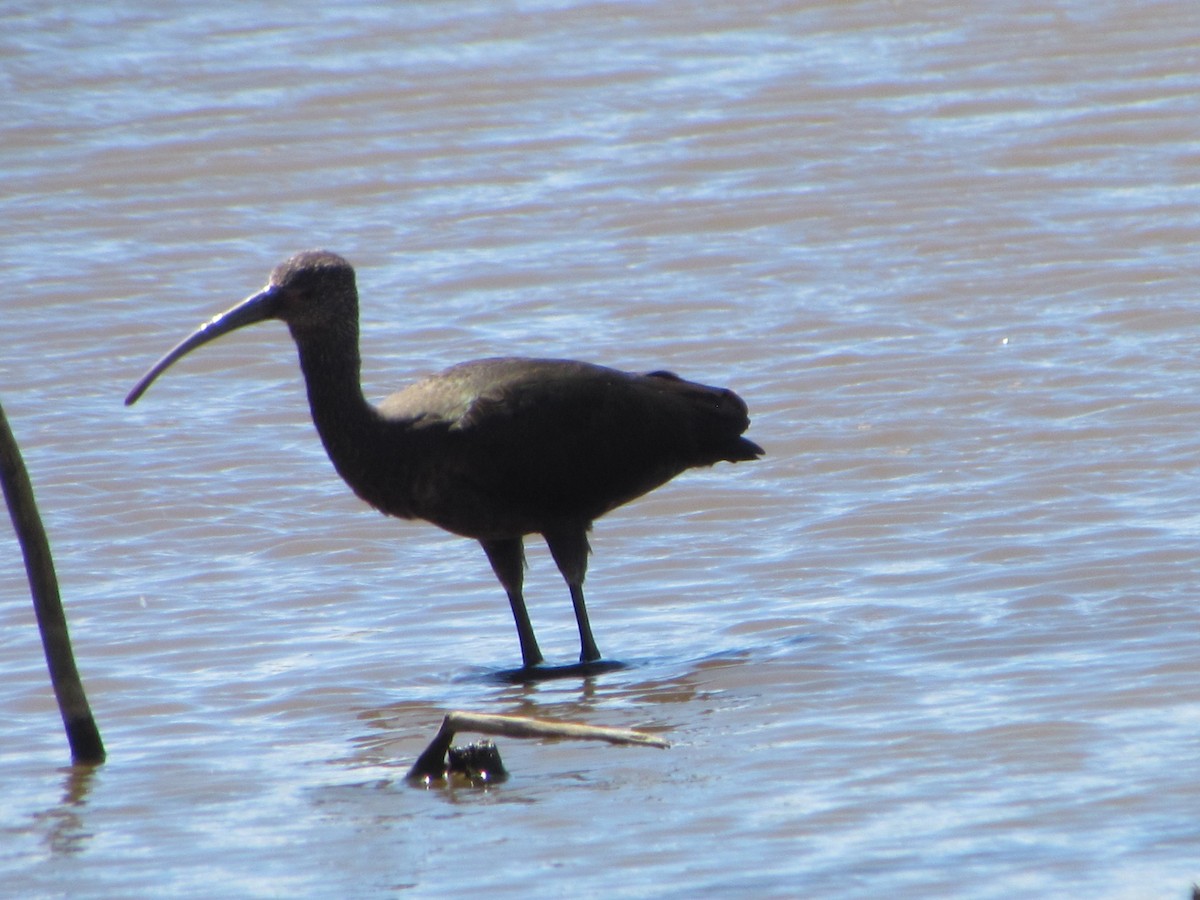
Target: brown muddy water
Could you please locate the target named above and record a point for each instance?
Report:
(941, 641)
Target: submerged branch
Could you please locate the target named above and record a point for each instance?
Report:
(431, 764)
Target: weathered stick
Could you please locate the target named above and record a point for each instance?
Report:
(82, 733)
(431, 763)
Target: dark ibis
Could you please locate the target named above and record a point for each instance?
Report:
(494, 449)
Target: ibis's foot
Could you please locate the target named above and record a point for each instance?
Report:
(531, 674)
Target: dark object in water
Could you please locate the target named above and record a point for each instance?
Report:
(83, 735)
(479, 763)
(431, 766)
(494, 449)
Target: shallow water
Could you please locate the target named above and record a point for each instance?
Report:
(939, 642)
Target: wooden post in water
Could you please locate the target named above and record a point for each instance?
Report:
(82, 733)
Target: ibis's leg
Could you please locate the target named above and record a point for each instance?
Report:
(570, 551)
(588, 652)
(507, 556)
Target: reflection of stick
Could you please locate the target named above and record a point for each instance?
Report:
(431, 763)
(82, 733)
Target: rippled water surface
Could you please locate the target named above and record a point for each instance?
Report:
(941, 641)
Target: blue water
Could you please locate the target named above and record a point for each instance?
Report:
(939, 642)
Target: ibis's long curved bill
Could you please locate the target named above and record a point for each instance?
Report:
(253, 309)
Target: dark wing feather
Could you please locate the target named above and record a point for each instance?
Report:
(577, 440)
(530, 444)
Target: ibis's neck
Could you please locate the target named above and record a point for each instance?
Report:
(354, 434)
